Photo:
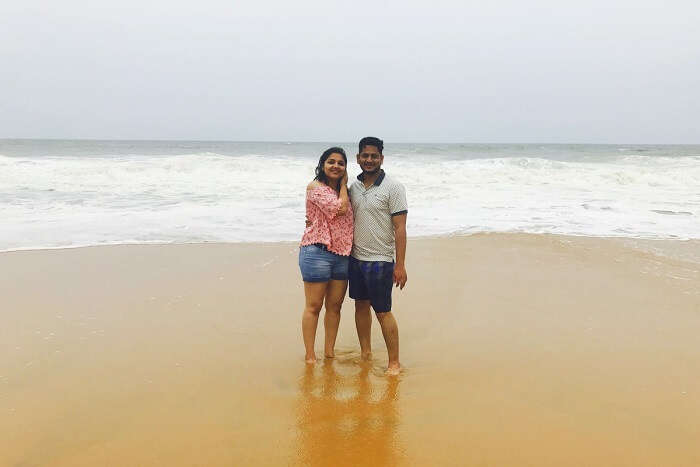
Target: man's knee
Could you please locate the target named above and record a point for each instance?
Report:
(362, 306)
(386, 316)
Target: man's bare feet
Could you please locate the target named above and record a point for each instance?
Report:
(329, 354)
(394, 369)
(310, 359)
(366, 355)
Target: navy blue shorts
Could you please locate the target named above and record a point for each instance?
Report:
(317, 264)
(373, 281)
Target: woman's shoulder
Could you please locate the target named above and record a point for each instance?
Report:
(315, 184)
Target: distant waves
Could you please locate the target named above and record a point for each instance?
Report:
(65, 201)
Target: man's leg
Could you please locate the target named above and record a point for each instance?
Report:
(363, 316)
(390, 330)
(363, 323)
(380, 293)
(335, 293)
(314, 293)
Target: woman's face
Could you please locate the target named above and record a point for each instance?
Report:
(334, 167)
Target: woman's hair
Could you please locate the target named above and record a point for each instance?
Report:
(320, 174)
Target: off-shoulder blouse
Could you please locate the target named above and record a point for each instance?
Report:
(326, 225)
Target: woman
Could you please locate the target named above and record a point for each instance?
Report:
(325, 249)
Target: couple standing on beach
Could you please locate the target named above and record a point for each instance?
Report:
(355, 235)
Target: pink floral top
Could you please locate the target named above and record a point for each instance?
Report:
(327, 226)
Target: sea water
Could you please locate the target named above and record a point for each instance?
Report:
(75, 193)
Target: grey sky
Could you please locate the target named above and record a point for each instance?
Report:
(613, 71)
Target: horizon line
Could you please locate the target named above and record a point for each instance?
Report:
(330, 142)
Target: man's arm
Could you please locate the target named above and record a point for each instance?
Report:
(400, 276)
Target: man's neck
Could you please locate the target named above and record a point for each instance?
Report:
(369, 178)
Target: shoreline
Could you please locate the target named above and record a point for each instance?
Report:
(517, 349)
(688, 249)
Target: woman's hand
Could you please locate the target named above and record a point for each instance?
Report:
(344, 198)
(343, 208)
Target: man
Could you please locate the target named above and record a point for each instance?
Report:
(380, 210)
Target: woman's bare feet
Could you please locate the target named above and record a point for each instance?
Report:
(366, 356)
(394, 369)
(310, 359)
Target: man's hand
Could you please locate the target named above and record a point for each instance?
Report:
(400, 276)
(399, 221)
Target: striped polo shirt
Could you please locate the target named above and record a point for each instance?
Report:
(373, 209)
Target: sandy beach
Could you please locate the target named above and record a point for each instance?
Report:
(518, 350)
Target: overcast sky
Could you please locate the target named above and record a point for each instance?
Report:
(440, 71)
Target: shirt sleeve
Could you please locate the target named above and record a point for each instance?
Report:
(397, 200)
(326, 200)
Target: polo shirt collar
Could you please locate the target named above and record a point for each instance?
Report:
(379, 179)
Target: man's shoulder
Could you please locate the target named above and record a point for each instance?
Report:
(391, 180)
(355, 185)
(392, 183)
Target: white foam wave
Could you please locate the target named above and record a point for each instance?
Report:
(68, 201)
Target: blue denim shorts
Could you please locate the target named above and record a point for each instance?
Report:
(317, 264)
(373, 281)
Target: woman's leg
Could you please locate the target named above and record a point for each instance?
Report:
(314, 293)
(335, 294)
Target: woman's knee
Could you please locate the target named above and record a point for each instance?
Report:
(314, 307)
(333, 305)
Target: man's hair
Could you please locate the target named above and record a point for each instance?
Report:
(372, 141)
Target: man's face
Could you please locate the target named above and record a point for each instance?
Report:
(370, 159)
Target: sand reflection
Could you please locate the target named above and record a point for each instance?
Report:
(347, 415)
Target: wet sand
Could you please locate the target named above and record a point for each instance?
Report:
(518, 350)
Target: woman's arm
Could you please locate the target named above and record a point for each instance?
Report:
(325, 199)
(344, 198)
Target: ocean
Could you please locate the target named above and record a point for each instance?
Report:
(69, 193)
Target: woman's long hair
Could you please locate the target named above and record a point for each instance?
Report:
(320, 174)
